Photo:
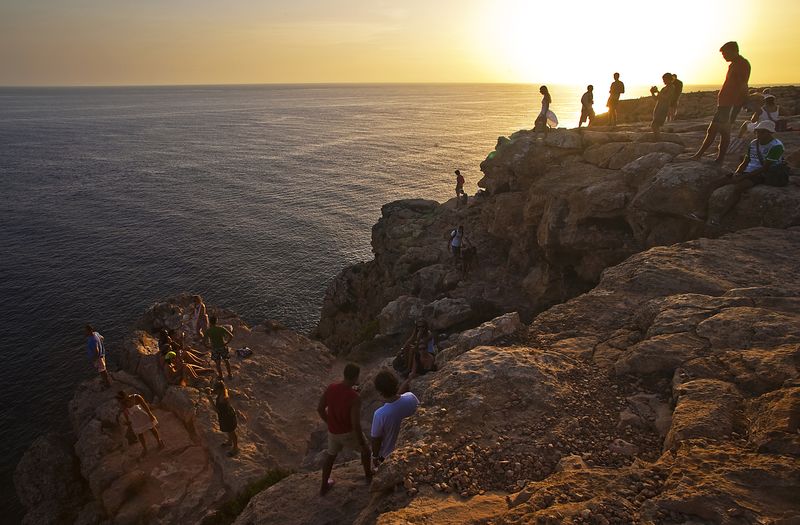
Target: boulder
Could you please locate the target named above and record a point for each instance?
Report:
(398, 316)
(707, 408)
(447, 312)
(484, 334)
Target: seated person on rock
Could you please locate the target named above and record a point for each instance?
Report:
(418, 355)
(179, 371)
(167, 344)
(399, 404)
(762, 164)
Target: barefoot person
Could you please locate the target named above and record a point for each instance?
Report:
(399, 404)
(340, 408)
(219, 337)
(96, 351)
(459, 184)
(541, 123)
(587, 103)
(227, 417)
(418, 354)
(663, 101)
(138, 417)
(730, 100)
(617, 88)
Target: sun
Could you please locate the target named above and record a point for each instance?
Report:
(581, 41)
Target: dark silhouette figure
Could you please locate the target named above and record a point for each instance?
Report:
(617, 89)
(732, 96)
(541, 121)
(587, 101)
(677, 90)
(663, 101)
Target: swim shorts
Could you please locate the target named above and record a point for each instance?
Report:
(219, 353)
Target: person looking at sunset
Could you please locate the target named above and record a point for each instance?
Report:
(663, 102)
(730, 100)
(617, 88)
(541, 121)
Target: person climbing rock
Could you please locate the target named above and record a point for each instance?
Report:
(218, 337)
(399, 404)
(139, 418)
(340, 408)
(96, 352)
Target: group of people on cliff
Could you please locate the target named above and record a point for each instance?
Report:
(181, 366)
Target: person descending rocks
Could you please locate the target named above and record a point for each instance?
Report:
(227, 417)
(615, 91)
(762, 164)
(96, 352)
(677, 90)
(138, 418)
(587, 103)
(200, 317)
(340, 408)
(732, 96)
(663, 101)
(399, 404)
(218, 337)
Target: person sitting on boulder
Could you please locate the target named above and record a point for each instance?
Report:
(340, 408)
(762, 164)
(399, 404)
(180, 372)
(218, 337)
(227, 417)
(663, 100)
(418, 354)
(767, 111)
(138, 417)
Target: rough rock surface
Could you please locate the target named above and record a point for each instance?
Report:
(556, 213)
(700, 425)
(192, 476)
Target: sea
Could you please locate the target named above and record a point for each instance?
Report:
(252, 196)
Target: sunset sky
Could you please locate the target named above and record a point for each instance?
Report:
(101, 42)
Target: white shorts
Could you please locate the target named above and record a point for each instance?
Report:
(100, 364)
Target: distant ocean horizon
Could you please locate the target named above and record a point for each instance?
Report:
(254, 196)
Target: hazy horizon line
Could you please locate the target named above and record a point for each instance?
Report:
(259, 84)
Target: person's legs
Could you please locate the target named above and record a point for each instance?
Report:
(228, 368)
(711, 135)
(217, 361)
(732, 199)
(106, 377)
(143, 442)
(234, 440)
(327, 468)
(160, 441)
(366, 462)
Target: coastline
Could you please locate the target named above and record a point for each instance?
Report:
(589, 243)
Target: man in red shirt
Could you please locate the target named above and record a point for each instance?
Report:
(730, 100)
(340, 408)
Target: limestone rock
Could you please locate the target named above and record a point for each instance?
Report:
(398, 316)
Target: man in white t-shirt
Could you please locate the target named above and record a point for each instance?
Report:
(399, 404)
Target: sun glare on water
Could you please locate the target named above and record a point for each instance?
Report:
(581, 41)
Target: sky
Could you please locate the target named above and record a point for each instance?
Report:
(124, 42)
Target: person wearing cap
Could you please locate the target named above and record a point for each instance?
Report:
(732, 96)
(768, 110)
(764, 154)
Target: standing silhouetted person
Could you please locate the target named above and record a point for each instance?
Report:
(663, 101)
(541, 120)
(677, 90)
(730, 100)
(617, 89)
(587, 101)
(340, 408)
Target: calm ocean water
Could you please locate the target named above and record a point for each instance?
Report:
(253, 196)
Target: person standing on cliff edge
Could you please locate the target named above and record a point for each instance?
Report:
(587, 101)
(617, 89)
(219, 337)
(96, 351)
(459, 185)
(340, 408)
(732, 96)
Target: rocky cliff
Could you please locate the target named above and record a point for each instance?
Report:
(554, 214)
(606, 359)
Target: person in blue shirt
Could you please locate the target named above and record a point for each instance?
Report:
(399, 404)
(96, 351)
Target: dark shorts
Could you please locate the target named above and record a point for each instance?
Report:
(219, 353)
(456, 251)
(587, 114)
(726, 115)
